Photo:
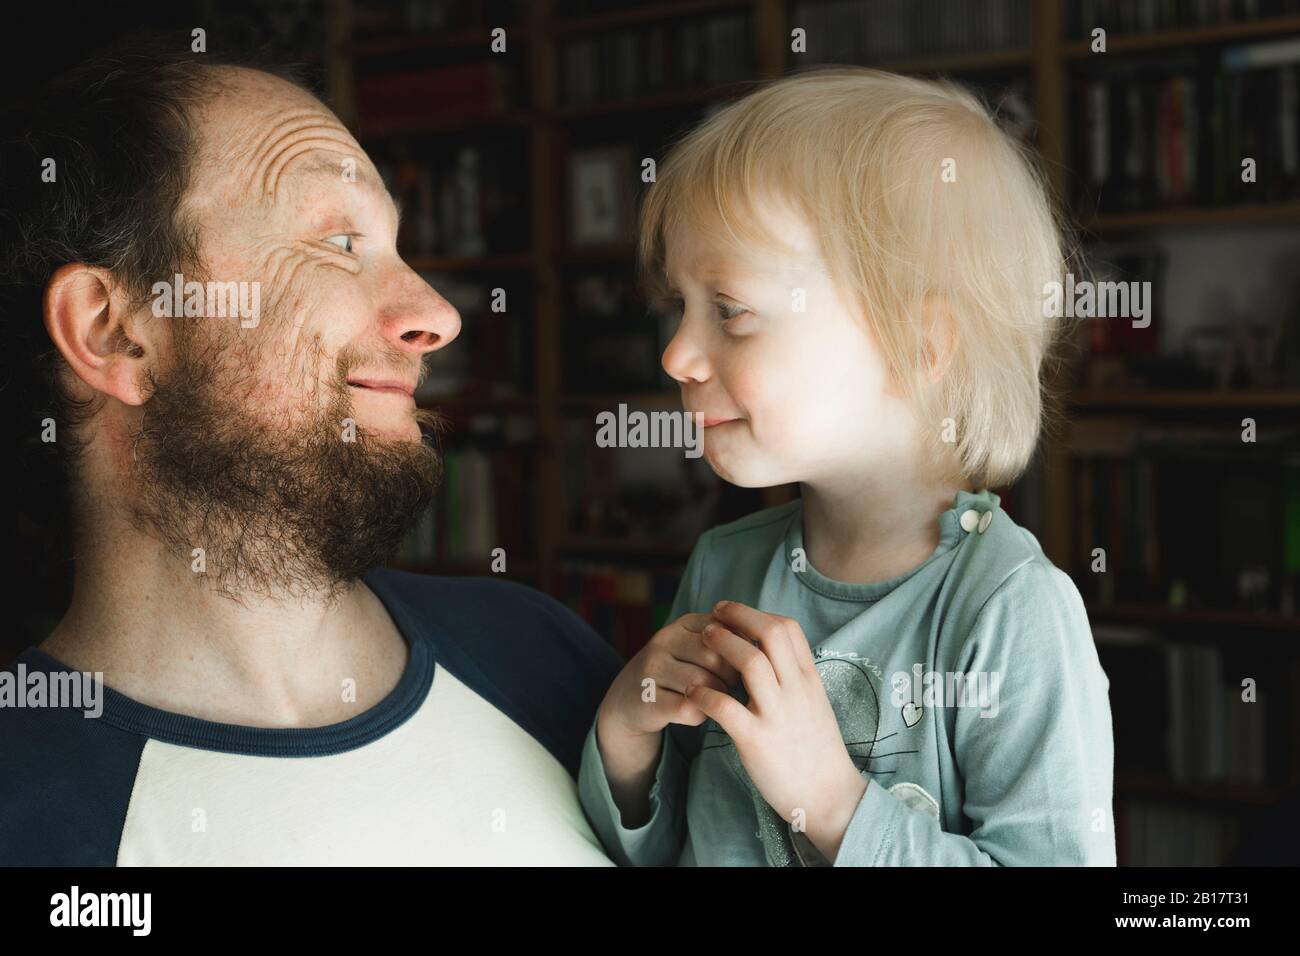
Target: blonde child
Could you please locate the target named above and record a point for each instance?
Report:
(888, 670)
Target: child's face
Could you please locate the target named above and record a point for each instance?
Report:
(788, 377)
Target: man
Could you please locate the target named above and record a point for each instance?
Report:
(236, 347)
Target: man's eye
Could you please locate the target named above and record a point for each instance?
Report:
(729, 311)
(342, 240)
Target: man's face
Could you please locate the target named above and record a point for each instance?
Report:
(283, 194)
(291, 441)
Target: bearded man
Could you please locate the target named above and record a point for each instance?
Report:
(266, 696)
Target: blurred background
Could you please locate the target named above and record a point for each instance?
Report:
(517, 157)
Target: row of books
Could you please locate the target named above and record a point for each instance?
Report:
(1178, 711)
(482, 87)
(484, 503)
(673, 55)
(1140, 494)
(1144, 16)
(851, 31)
(624, 605)
(1178, 134)
(468, 201)
(1150, 834)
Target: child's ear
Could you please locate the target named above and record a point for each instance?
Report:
(940, 324)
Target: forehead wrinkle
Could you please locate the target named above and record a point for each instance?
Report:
(264, 150)
(271, 182)
(291, 143)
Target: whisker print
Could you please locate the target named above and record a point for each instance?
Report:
(897, 752)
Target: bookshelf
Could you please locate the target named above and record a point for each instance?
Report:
(1042, 50)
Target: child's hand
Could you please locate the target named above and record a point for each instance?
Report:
(648, 695)
(671, 661)
(787, 737)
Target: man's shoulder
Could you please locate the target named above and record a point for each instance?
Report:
(65, 778)
(521, 650)
(481, 612)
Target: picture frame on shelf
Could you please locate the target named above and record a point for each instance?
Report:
(600, 197)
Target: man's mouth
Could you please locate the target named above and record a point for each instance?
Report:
(710, 421)
(383, 385)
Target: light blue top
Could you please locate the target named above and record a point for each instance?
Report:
(968, 691)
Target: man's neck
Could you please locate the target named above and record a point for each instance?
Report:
(161, 636)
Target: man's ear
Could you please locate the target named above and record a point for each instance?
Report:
(90, 321)
(940, 324)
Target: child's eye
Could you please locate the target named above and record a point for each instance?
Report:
(729, 311)
(346, 244)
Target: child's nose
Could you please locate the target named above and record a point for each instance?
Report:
(683, 359)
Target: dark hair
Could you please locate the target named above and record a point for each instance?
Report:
(118, 129)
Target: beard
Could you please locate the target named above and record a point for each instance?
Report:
(280, 511)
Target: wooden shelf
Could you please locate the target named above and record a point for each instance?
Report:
(1188, 399)
(978, 62)
(442, 40)
(646, 13)
(1195, 217)
(1127, 613)
(1268, 28)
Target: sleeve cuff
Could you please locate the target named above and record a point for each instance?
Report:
(658, 841)
(871, 829)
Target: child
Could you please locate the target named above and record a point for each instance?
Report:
(887, 671)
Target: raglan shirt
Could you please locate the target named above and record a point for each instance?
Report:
(1014, 766)
(470, 759)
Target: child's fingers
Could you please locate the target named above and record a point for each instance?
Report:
(731, 715)
(772, 633)
(684, 712)
(676, 676)
(693, 622)
(754, 667)
(690, 648)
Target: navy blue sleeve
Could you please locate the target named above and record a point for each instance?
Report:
(65, 782)
(521, 650)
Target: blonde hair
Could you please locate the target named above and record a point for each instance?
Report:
(861, 153)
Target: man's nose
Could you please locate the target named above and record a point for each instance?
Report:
(684, 359)
(417, 319)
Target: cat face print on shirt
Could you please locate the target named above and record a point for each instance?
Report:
(875, 734)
